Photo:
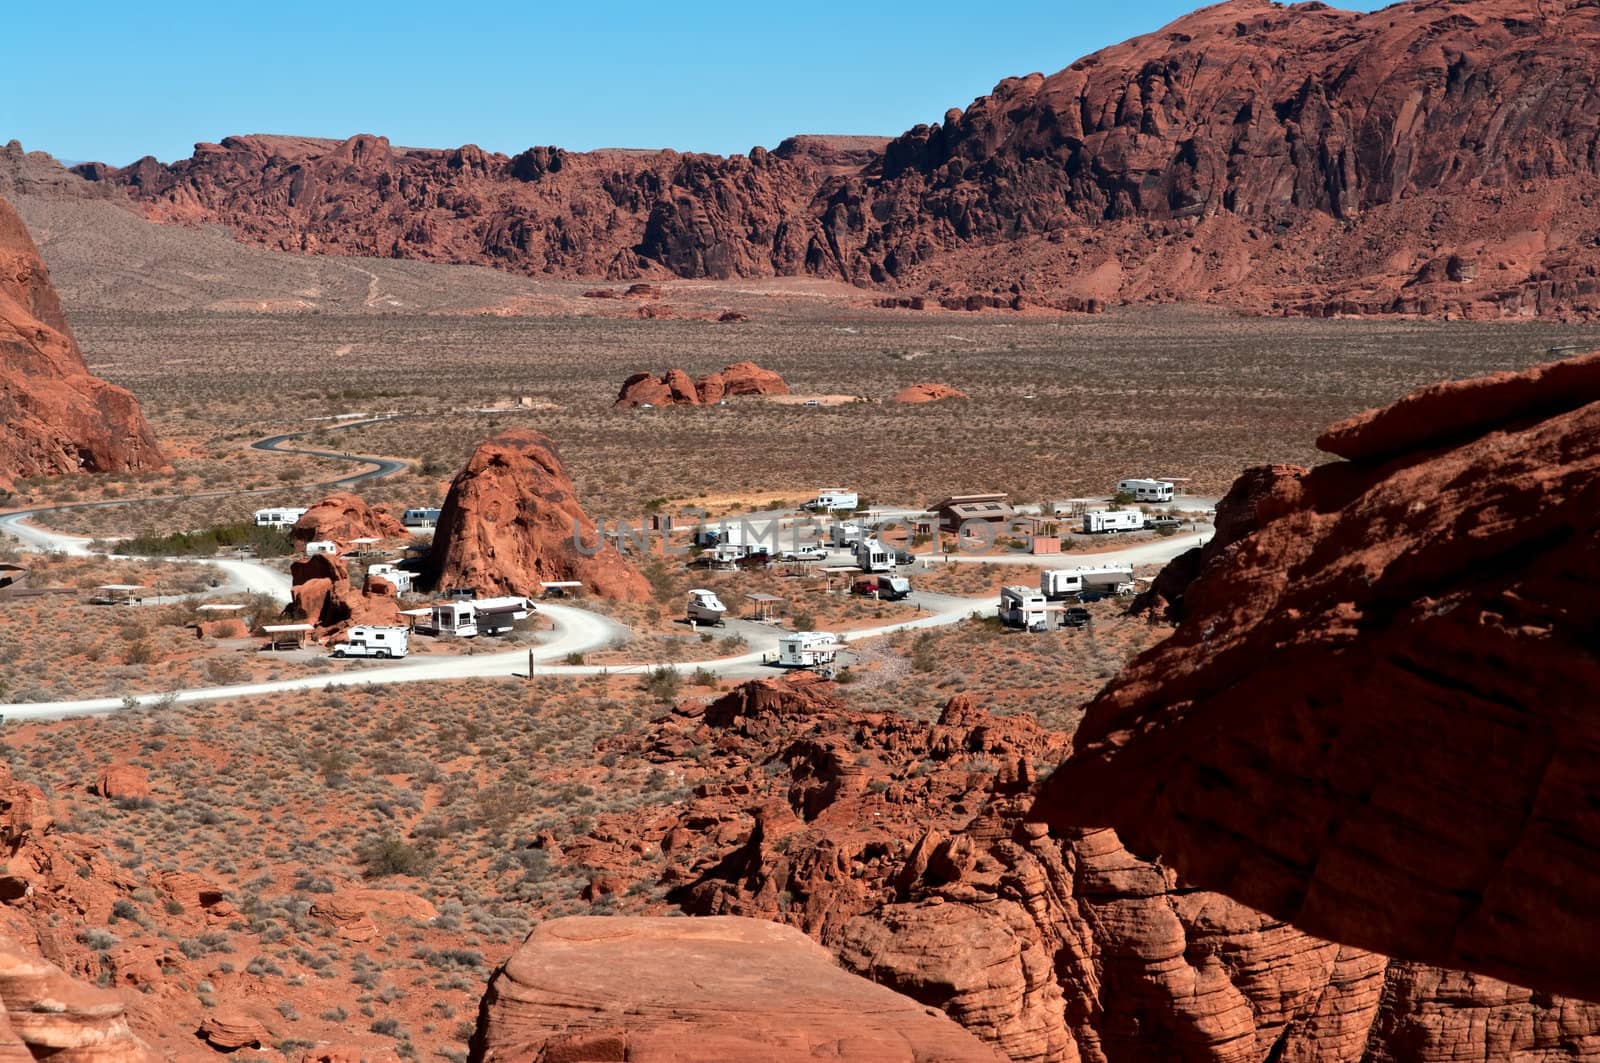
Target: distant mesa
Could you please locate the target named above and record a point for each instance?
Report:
(56, 418)
(921, 393)
(512, 521)
(676, 387)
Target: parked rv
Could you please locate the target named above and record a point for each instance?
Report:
(321, 546)
(873, 556)
(706, 608)
(420, 517)
(832, 499)
(808, 649)
(1145, 490)
(1112, 520)
(281, 517)
(1060, 583)
(1023, 607)
(845, 534)
(399, 577)
(372, 641)
(886, 588)
(497, 616)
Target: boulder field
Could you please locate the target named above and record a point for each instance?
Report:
(676, 387)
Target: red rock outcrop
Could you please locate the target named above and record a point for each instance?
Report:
(323, 596)
(920, 393)
(55, 417)
(1373, 720)
(123, 782)
(1432, 157)
(676, 387)
(343, 517)
(512, 520)
(653, 990)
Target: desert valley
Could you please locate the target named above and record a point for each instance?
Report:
(1107, 576)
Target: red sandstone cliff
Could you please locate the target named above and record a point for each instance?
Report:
(55, 417)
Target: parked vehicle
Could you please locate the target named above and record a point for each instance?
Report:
(831, 499)
(887, 588)
(808, 649)
(1112, 520)
(420, 517)
(281, 517)
(1146, 490)
(372, 641)
(321, 546)
(904, 557)
(845, 533)
(400, 578)
(804, 553)
(873, 556)
(706, 608)
(1162, 523)
(1057, 584)
(1076, 616)
(1023, 607)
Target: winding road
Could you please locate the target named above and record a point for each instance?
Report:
(576, 631)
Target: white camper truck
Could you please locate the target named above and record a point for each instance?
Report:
(845, 534)
(371, 641)
(808, 649)
(831, 499)
(1057, 584)
(706, 608)
(1023, 607)
(873, 556)
(1112, 520)
(1146, 490)
(280, 517)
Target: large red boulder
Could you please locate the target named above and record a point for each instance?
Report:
(55, 417)
(676, 388)
(324, 596)
(343, 517)
(512, 520)
(1376, 717)
(919, 393)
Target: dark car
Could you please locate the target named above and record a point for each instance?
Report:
(1075, 617)
(1091, 596)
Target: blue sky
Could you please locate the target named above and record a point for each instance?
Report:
(113, 82)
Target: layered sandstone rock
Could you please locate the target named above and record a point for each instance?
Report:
(343, 517)
(919, 393)
(123, 782)
(512, 520)
(324, 596)
(653, 990)
(49, 1015)
(55, 417)
(676, 387)
(1374, 719)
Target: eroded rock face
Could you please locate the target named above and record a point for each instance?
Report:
(1375, 719)
(343, 517)
(653, 990)
(920, 393)
(676, 388)
(324, 596)
(55, 417)
(512, 520)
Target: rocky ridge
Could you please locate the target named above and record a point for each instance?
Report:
(676, 387)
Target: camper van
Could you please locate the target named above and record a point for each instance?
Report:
(1112, 520)
(886, 588)
(420, 517)
(393, 574)
(873, 556)
(808, 649)
(281, 517)
(831, 499)
(1145, 490)
(706, 608)
(1060, 583)
(1023, 607)
(370, 641)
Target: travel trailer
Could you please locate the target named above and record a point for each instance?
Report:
(1059, 583)
(808, 649)
(371, 641)
(420, 517)
(399, 577)
(886, 588)
(831, 499)
(873, 556)
(281, 517)
(322, 546)
(1023, 607)
(1146, 490)
(455, 617)
(497, 616)
(706, 608)
(845, 533)
(1112, 520)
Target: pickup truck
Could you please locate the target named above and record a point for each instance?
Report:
(804, 553)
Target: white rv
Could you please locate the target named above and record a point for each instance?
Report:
(873, 556)
(1059, 583)
(281, 517)
(420, 517)
(808, 649)
(1023, 607)
(1112, 520)
(457, 617)
(370, 641)
(845, 533)
(321, 546)
(393, 574)
(830, 499)
(706, 608)
(1146, 490)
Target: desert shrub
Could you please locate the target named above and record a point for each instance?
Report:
(391, 855)
(266, 542)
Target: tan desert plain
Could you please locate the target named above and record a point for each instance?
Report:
(1109, 576)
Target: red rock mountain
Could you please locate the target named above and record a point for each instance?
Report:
(342, 517)
(512, 520)
(55, 417)
(676, 387)
(1432, 157)
(1375, 719)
